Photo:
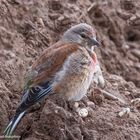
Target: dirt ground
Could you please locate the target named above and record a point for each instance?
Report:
(118, 29)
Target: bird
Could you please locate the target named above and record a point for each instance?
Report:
(65, 68)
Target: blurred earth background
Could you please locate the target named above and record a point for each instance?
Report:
(118, 29)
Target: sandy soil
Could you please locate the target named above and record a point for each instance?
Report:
(118, 29)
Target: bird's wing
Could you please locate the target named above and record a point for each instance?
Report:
(38, 83)
(49, 63)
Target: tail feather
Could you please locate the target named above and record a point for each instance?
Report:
(13, 123)
(8, 126)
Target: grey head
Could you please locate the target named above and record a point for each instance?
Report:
(82, 34)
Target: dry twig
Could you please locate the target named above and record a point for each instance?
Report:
(31, 24)
(91, 7)
(111, 96)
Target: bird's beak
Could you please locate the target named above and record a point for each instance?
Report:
(93, 42)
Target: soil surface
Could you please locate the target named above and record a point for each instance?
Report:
(22, 23)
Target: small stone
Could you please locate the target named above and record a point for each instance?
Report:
(83, 112)
(76, 105)
(40, 21)
(133, 18)
(126, 46)
(91, 104)
(127, 93)
(124, 111)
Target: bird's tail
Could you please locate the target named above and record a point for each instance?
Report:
(12, 124)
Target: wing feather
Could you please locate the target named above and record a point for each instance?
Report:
(49, 63)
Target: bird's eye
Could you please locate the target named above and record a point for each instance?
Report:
(83, 36)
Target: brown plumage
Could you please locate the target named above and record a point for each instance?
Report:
(52, 60)
(66, 68)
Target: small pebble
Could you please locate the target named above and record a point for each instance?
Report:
(76, 105)
(83, 112)
(91, 104)
(124, 111)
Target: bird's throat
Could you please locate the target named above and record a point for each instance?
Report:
(92, 54)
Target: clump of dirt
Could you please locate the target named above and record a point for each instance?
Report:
(28, 27)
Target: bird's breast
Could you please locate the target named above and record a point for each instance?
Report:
(75, 77)
(74, 85)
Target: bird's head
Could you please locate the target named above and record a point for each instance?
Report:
(82, 34)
